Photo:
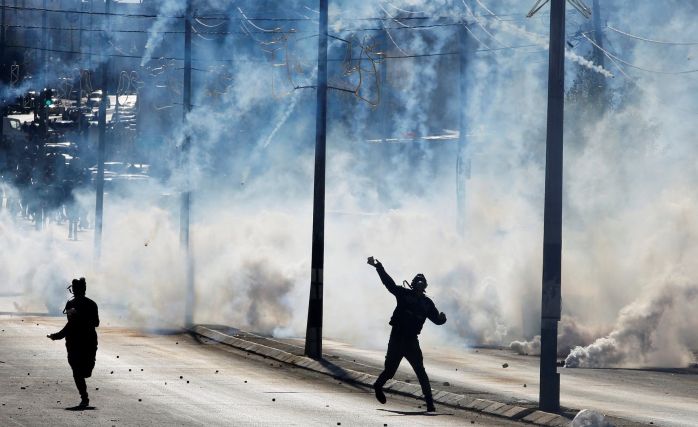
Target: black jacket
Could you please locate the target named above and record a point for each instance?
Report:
(80, 331)
(412, 309)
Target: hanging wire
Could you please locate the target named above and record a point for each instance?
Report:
(168, 68)
(210, 26)
(581, 8)
(130, 85)
(493, 37)
(509, 25)
(650, 40)
(252, 23)
(398, 21)
(394, 42)
(633, 65)
(84, 12)
(645, 90)
(218, 83)
(481, 42)
(307, 18)
(293, 58)
(403, 10)
(536, 7)
(351, 65)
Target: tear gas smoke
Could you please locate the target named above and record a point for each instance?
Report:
(571, 334)
(630, 211)
(167, 11)
(647, 333)
(586, 63)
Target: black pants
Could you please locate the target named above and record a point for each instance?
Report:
(407, 347)
(82, 362)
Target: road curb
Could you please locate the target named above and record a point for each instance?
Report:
(398, 387)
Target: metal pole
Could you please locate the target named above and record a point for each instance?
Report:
(385, 129)
(2, 45)
(44, 42)
(462, 162)
(313, 335)
(599, 56)
(186, 194)
(552, 220)
(99, 209)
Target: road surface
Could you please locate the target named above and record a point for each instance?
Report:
(145, 388)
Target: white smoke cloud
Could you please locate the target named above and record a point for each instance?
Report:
(647, 332)
(629, 195)
(168, 12)
(586, 63)
(571, 334)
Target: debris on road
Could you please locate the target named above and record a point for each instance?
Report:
(590, 418)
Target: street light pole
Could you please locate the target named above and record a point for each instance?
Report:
(462, 161)
(600, 87)
(186, 194)
(44, 43)
(313, 335)
(99, 208)
(552, 219)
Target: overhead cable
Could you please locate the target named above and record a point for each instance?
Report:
(403, 10)
(649, 40)
(633, 65)
(493, 37)
(508, 24)
(645, 90)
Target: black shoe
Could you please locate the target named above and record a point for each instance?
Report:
(380, 395)
(431, 408)
(84, 403)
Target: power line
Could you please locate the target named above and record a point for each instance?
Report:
(635, 66)
(509, 25)
(649, 40)
(493, 37)
(645, 90)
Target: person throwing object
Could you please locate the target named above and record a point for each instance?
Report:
(413, 308)
(80, 336)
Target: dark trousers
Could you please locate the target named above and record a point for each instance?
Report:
(82, 362)
(407, 347)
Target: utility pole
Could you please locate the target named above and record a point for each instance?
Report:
(313, 335)
(600, 80)
(99, 209)
(462, 161)
(383, 89)
(44, 42)
(186, 194)
(2, 44)
(552, 218)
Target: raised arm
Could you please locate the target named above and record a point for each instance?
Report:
(385, 278)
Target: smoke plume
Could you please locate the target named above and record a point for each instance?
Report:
(647, 333)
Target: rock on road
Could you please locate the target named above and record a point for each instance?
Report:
(145, 388)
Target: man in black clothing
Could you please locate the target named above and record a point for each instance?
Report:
(413, 308)
(80, 336)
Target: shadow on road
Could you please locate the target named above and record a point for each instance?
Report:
(425, 413)
(81, 408)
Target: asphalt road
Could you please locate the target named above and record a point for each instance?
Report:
(664, 397)
(174, 380)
